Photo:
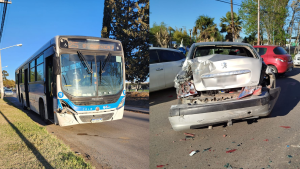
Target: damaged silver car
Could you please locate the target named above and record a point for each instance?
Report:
(221, 82)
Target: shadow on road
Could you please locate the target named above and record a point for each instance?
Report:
(162, 96)
(34, 116)
(289, 96)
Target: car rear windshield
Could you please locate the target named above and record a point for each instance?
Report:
(279, 51)
(201, 51)
(261, 51)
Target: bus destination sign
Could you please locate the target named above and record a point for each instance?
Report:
(91, 44)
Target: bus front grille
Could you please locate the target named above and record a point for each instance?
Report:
(106, 101)
(88, 118)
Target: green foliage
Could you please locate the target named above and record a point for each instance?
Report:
(208, 29)
(9, 83)
(251, 38)
(226, 26)
(155, 29)
(273, 16)
(107, 18)
(179, 35)
(4, 74)
(129, 21)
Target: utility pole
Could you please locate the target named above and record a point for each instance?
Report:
(232, 25)
(258, 35)
(1, 77)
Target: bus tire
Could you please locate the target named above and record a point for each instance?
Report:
(23, 104)
(42, 110)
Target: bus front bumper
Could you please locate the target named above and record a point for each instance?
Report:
(67, 118)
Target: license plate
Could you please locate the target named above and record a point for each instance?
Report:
(96, 120)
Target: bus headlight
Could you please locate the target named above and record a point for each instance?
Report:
(121, 103)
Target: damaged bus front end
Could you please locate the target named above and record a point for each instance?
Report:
(221, 82)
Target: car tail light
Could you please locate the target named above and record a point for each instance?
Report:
(281, 59)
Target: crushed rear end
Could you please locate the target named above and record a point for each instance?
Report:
(222, 86)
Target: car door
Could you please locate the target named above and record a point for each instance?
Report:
(171, 65)
(157, 75)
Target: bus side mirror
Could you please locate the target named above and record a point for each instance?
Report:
(56, 65)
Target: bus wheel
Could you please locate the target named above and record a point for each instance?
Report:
(42, 111)
(23, 104)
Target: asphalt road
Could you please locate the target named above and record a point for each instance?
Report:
(255, 144)
(118, 144)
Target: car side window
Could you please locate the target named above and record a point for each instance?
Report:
(167, 56)
(153, 57)
(261, 51)
(180, 55)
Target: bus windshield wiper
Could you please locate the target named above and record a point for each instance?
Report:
(84, 63)
(102, 67)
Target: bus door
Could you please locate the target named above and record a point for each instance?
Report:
(49, 87)
(26, 87)
(18, 86)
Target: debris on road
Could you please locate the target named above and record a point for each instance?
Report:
(289, 156)
(189, 134)
(161, 166)
(224, 135)
(287, 146)
(230, 151)
(189, 137)
(210, 127)
(227, 166)
(266, 140)
(296, 146)
(77, 153)
(193, 152)
(206, 149)
(286, 127)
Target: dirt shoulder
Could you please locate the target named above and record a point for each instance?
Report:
(25, 144)
(137, 99)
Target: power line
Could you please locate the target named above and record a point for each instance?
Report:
(228, 2)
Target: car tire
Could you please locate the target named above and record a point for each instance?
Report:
(274, 70)
(42, 111)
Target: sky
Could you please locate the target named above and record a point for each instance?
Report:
(183, 14)
(33, 23)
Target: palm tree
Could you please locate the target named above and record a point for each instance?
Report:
(206, 26)
(226, 25)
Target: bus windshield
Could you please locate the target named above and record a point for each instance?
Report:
(106, 77)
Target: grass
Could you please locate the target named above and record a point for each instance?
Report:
(137, 94)
(25, 144)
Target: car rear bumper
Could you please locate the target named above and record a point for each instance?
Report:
(186, 116)
(283, 67)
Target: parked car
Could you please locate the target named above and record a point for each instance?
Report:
(217, 84)
(164, 65)
(276, 58)
(8, 92)
(296, 60)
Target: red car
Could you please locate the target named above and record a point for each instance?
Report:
(276, 58)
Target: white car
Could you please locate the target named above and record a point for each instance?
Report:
(297, 59)
(164, 65)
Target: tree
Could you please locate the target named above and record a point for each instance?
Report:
(179, 35)
(207, 27)
(295, 9)
(9, 83)
(163, 38)
(130, 24)
(107, 18)
(158, 29)
(4, 74)
(250, 39)
(226, 26)
(273, 14)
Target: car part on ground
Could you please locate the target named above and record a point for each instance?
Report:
(215, 88)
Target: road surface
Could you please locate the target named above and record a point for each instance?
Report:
(260, 144)
(117, 144)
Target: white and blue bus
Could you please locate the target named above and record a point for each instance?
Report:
(74, 80)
